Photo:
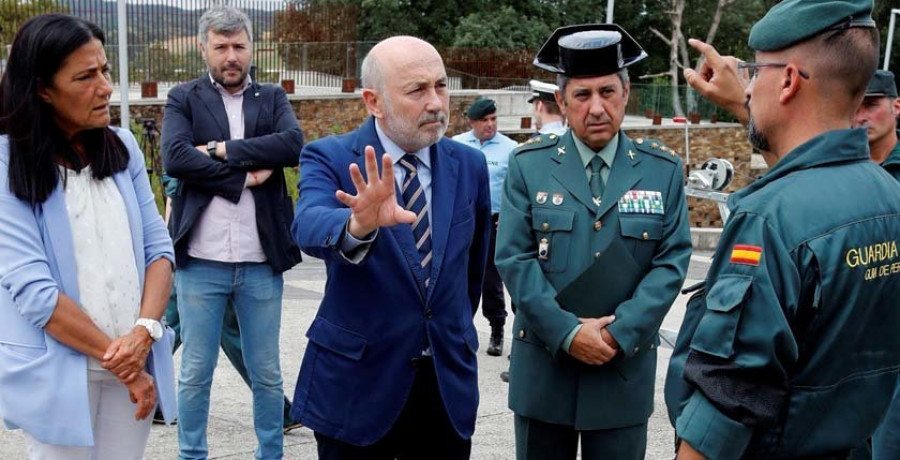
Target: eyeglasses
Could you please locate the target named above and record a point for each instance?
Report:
(747, 71)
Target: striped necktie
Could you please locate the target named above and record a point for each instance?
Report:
(414, 200)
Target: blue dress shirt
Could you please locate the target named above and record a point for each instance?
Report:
(496, 151)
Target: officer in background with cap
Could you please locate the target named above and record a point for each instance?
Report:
(791, 351)
(878, 114)
(495, 146)
(548, 118)
(567, 199)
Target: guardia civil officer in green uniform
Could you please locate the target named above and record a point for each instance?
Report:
(878, 114)
(792, 350)
(568, 199)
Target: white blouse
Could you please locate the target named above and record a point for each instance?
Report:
(104, 256)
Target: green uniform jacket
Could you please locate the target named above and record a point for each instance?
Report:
(547, 196)
(892, 162)
(793, 350)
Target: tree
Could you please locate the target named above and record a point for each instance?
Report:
(881, 13)
(13, 13)
(505, 28)
(331, 25)
(679, 56)
(524, 25)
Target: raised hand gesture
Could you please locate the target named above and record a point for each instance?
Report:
(375, 203)
(718, 81)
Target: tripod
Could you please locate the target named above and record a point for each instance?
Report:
(149, 145)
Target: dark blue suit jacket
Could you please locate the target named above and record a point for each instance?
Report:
(195, 115)
(375, 319)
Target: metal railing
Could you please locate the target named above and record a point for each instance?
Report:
(292, 43)
(162, 35)
(649, 100)
(310, 44)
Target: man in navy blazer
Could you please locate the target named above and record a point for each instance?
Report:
(226, 138)
(390, 368)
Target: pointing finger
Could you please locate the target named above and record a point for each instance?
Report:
(708, 51)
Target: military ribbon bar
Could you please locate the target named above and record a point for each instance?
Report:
(746, 254)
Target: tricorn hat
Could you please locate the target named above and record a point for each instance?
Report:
(589, 50)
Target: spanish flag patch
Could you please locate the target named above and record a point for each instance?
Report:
(745, 254)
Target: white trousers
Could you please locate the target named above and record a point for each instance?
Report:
(117, 435)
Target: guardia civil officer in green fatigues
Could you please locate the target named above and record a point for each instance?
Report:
(566, 200)
(878, 114)
(792, 351)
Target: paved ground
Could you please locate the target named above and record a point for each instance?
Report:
(231, 423)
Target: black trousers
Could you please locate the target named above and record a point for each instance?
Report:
(493, 304)
(422, 432)
(536, 440)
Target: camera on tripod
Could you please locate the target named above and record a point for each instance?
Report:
(149, 125)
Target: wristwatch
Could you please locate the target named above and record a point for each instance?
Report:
(211, 148)
(153, 327)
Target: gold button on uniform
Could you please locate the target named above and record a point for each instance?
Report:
(545, 226)
(645, 235)
(597, 255)
(598, 225)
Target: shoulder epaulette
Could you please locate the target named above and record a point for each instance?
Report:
(537, 142)
(656, 148)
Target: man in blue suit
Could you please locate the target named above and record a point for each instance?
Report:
(390, 369)
(227, 138)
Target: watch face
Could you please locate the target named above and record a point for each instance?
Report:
(153, 327)
(211, 146)
(157, 330)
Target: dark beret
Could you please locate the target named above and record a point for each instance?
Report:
(481, 108)
(793, 21)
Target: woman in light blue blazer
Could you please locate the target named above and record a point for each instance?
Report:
(85, 260)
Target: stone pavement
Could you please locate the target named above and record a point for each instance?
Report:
(231, 421)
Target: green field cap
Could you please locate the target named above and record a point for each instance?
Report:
(793, 21)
